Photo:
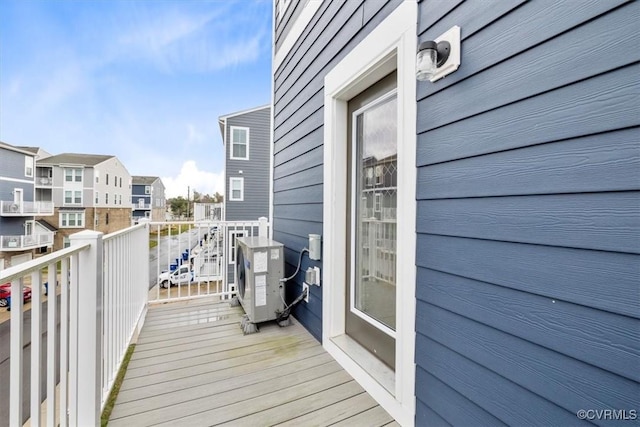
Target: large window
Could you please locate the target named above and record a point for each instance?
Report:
(28, 166)
(147, 189)
(73, 175)
(239, 143)
(72, 197)
(236, 189)
(72, 219)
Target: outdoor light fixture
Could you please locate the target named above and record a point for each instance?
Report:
(440, 57)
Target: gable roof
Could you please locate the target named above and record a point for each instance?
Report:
(76, 159)
(143, 180)
(38, 151)
(222, 119)
(16, 149)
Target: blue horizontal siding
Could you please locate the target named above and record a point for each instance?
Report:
(528, 215)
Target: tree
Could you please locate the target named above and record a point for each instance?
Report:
(178, 206)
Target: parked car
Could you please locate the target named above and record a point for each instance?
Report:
(180, 276)
(5, 294)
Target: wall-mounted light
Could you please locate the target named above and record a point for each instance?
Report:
(440, 57)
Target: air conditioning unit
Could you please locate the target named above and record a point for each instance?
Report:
(259, 268)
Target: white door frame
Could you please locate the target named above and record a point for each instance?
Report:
(391, 45)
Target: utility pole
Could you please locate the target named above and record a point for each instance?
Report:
(188, 210)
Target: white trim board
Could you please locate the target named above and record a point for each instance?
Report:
(295, 32)
(391, 45)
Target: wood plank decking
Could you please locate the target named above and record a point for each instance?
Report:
(192, 366)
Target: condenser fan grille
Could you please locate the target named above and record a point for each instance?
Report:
(240, 271)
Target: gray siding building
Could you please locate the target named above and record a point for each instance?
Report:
(246, 137)
(20, 234)
(497, 279)
(147, 198)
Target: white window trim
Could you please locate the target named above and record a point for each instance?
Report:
(28, 164)
(73, 198)
(296, 30)
(232, 239)
(231, 129)
(62, 214)
(392, 42)
(241, 181)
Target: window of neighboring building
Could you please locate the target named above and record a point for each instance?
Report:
(236, 185)
(97, 176)
(106, 198)
(66, 242)
(232, 245)
(73, 197)
(72, 174)
(97, 198)
(107, 180)
(72, 219)
(28, 166)
(147, 189)
(106, 218)
(378, 202)
(120, 182)
(239, 143)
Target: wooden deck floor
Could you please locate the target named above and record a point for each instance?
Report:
(192, 366)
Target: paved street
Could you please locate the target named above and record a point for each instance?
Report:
(169, 248)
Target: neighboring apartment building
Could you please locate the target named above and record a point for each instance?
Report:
(507, 248)
(147, 198)
(246, 137)
(20, 233)
(89, 191)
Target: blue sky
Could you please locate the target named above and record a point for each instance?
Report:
(142, 80)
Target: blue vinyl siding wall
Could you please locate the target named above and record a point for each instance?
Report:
(336, 28)
(12, 167)
(528, 221)
(137, 192)
(255, 171)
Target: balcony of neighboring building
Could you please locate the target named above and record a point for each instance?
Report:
(22, 208)
(25, 242)
(44, 177)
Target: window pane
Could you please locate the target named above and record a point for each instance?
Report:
(68, 175)
(239, 150)
(239, 136)
(375, 232)
(67, 196)
(78, 175)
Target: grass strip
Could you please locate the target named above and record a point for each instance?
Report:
(113, 395)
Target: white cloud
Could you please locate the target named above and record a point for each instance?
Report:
(194, 179)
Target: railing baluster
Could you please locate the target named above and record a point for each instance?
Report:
(36, 346)
(16, 362)
(52, 334)
(64, 342)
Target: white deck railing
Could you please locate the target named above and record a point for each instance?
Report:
(99, 304)
(206, 248)
(25, 242)
(10, 208)
(208, 212)
(102, 287)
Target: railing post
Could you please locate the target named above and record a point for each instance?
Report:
(89, 335)
(262, 228)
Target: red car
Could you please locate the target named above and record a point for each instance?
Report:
(5, 293)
